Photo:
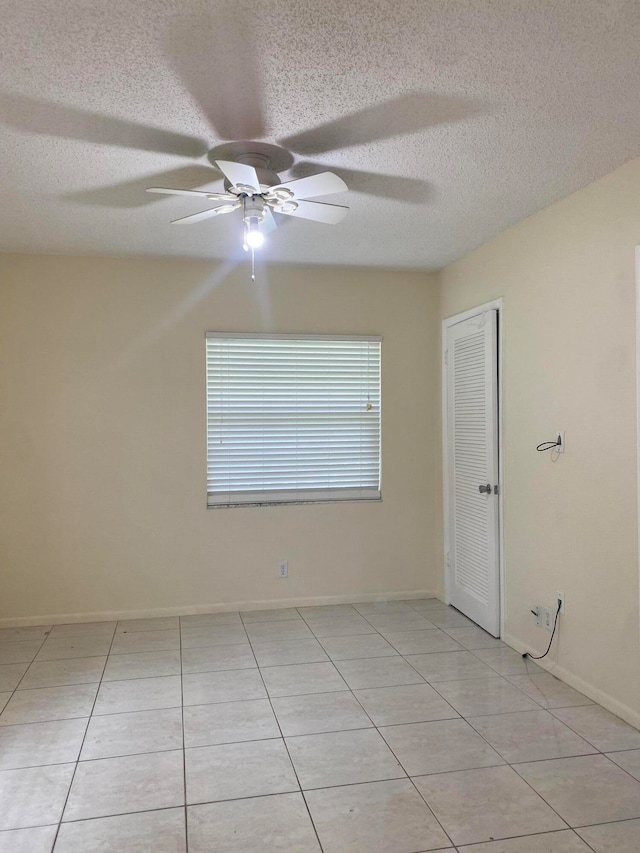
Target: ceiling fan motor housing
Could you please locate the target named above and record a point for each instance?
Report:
(262, 164)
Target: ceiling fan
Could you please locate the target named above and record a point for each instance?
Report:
(251, 185)
(215, 58)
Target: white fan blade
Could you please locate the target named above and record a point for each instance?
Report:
(202, 193)
(323, 184)
(240, 174)
(269, 223)
(205, 214)
(330, 214)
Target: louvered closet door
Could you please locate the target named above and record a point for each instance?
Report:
(472, 444)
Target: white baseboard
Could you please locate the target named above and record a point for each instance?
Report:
(607, 701)
(190, 610)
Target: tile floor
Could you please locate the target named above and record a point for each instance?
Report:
(394, 727)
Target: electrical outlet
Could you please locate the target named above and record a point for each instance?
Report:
(283, 569)
(560, 600)
(560, 442)
(548, 617)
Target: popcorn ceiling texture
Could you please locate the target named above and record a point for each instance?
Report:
(516, 105)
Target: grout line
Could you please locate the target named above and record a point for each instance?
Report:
(377, 728)
(286, 746)
(29, 665)
(77, 762)
(184, 751)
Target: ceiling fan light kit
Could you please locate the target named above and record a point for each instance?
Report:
(251, 185)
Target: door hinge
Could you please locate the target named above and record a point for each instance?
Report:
(496, 490)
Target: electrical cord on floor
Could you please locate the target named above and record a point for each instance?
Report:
(553, 633)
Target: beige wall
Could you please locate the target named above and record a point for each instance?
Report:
(102, 440)
(567, 278)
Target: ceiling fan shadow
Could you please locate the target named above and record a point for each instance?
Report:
(396, 117)
(214, 56)
(394, 187)
(133, 193)
(49, 119)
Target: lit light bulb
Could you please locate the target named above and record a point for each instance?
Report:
(254, 237)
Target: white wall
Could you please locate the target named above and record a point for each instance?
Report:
(567, 278)
(102, 439)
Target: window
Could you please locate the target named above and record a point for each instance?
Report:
(292, 418)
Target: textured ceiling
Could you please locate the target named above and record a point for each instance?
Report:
(471, 115)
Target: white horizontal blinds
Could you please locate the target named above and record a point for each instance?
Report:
(292, 418)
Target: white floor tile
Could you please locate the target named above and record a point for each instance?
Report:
(95, 630)
(39, 839)
(486, 804)
(589, 789)
(548, 691)
(203, 688)
(157, 831)
(506, 661)
(450, 666)
(409, 703)
(272, 824)
(10, 675)
(229, 722)
(601, 728)
(142, 665)
(22, 652)
(210, 620)
(292, 629)
(279, 615)
(236, 770)
(629, 760)
(49, 703)
(146, 641)
(34, 796)
(357, 646)
(217, 658)
(319, 712)
(138, 694)
(161, 623)
(214, 635)
(621, 837)
(289, 652)
(16, 635)
(302, 678)
(73, 647)
(135, 783)
(35, 744)
(422, 642)
(439, 747)
(127, 734)
(478, 696)
(530, 736)
(377, 817)
(563, 841)
(61, 672)
(342, 758)
(377, 672)
(340, 626)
